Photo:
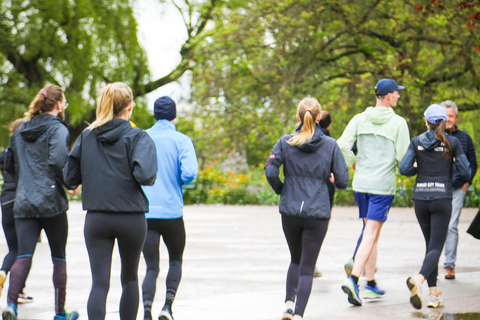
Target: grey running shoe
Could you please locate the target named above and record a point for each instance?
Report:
(435, 301)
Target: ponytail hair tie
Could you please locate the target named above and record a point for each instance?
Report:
(44, 93)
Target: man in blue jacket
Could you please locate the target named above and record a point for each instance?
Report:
(177, 165)
(459, 185)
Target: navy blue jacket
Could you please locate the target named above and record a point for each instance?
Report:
(9, 184)
(469, 150)
(434, 172)
(306, 168)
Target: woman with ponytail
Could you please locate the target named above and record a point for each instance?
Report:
(433, 156)
(309, 158)
(112, 159)
(40, 151)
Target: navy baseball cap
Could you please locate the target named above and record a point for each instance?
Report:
(435, 113)
(386, 86)
(165, 108)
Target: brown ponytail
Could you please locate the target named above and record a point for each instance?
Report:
(308, 111)
(45, 100)
(440, 135)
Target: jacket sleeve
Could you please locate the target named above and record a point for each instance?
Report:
(9, 161)
(461, 164)
(58, 151)
(346, 141)
(406, 164)
(403, 140)
(472, 159)
(339, 168)
(72, 173)
(188, 162)
(272, 168)
(144, 160)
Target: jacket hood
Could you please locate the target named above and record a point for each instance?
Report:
(113, 130)
(313, 144)
(428, 141)
(35, 127)
(379, 115)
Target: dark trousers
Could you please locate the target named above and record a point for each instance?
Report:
(28, 231)
(173, 233)
(433, 217)
(8, 224)
(100, 231)
(304, 238)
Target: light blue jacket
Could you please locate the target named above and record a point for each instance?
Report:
(177, 165)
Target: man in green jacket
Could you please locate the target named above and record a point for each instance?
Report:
(382, 139)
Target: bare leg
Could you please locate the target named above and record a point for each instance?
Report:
(369, 242)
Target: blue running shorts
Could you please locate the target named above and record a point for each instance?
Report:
(373, 206)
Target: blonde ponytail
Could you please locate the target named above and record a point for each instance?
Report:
(115, 99)
(308, 111)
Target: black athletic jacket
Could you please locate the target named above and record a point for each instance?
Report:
(434, 172)
(469, 150)
(306, 168)
(9, 183)
(40, 149)
(112, 162)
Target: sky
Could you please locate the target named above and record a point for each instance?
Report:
(161, 33)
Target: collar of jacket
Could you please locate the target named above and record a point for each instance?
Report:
(163, 123)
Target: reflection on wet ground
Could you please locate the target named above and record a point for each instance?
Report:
(434, 315)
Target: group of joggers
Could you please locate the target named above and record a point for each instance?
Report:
(374, 143)
(131, 182)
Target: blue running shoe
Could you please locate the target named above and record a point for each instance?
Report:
(10, 312)
(351, 288)
(373, 292)
(73, 315)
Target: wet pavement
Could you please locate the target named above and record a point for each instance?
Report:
(235, 265)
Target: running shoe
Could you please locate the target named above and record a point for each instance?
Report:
(349, 267)
(165, 314)
(288, 314)
(317, 273)
(435, 301)
(3, 276)
(415, 287)
(10, 312)
(373, 292)
(24, 298)
(73, 315)
(351, 289)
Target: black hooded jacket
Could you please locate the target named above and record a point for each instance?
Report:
(112, 162)
(434, 172)
(306, 168)
(40, 150)
(9, 184)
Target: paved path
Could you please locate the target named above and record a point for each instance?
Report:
(235, 265)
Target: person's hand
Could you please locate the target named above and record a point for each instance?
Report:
(332, 178)
(75, 191)
(464, 188)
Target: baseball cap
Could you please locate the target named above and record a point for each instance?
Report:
(165, 108)
(386, 86)
(435, 113)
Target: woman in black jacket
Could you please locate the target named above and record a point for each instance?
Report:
(433, 156)
(40, 150)
(308, 158)
(112, 159)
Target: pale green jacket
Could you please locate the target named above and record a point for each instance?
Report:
(382, 140)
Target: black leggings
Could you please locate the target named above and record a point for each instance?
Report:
(8, 224)
(28, 231)
(433, 217)
(100, 231)
(173, 232)
(304, 239)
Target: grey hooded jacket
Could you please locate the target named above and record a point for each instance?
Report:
(40, 149)
(306, 168)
